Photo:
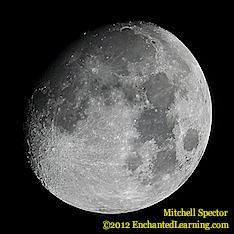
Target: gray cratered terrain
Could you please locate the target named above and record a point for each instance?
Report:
(120, 120)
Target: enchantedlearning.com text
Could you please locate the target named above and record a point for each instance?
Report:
(164, 225)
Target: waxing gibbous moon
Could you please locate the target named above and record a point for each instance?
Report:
(120, 120)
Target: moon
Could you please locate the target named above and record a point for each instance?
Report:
(120, 119)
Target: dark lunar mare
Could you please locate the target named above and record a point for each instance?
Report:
(164, 163)
(154, 124)
(190, 139)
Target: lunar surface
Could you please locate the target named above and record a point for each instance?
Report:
(120, 120)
